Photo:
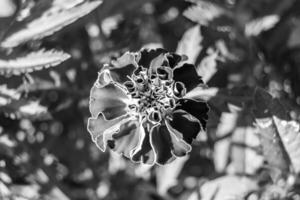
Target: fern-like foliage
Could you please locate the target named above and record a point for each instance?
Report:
(32, 61)
(34, 21)
(40, 25)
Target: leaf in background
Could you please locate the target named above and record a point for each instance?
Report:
(226, 188)
(266, 108)
(204, 12)
(45, 24)
(14, 107)
(255, 27)
(190, 44)
(294, 38)
(7, 8)
(208, 66)
(167, 175)
(290, 135)
(23, 108)
(32, 61)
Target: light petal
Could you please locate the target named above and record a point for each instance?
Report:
(97, 127)
(126, 140)
(123, 67)
(144, 152)
(109, 100)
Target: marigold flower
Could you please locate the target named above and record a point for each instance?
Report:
(139, 106)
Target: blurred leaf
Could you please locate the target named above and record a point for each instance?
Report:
(13, 107)
(23, 109)
(290, 135)
(255, 27)
(167, 175)
(7, 8)
(32, 61)
(266, 108)
(294, 39)
(190, 44)
(40, 25)
(208, 66)
(226, 188)
(204, 12)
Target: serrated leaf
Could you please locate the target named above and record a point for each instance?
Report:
(257, 26)
(45, 24)
(204, 12)
(190, 44)
(266, 109)
(32, 61)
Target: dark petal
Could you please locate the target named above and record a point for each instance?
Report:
(196, 108)
(166, 145)
(186, 124)
(99, 126)
(147, 55)
(144, 152)
(127, 138)
(174, 59)
(161, 141)
(110, 100)
(187, 74)
(179, 146)
(123, 67)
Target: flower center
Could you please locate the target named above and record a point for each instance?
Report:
(154, 91)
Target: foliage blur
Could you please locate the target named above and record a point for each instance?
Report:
(246, 51)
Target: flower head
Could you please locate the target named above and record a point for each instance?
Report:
(139, 106)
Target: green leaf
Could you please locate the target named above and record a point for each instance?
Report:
(267, 109)
(290, 135)
(40, 25)
(14, 107)
(18, 64)
(208, 66)
(204, 12)
(257, 26)
(226, 188)
(190, 44)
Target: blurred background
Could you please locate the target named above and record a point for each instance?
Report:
(51, 51)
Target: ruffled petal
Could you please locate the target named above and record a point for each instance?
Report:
(123, 67)
(196, 108)
(161, 141)
(126, 140)
(109, 100)
(99, 126)
(174, 59)
(144, 152)
(187, 74)
(185, 124)
(158, 62)
(166, 145)
(147, 55)
(179, 146)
